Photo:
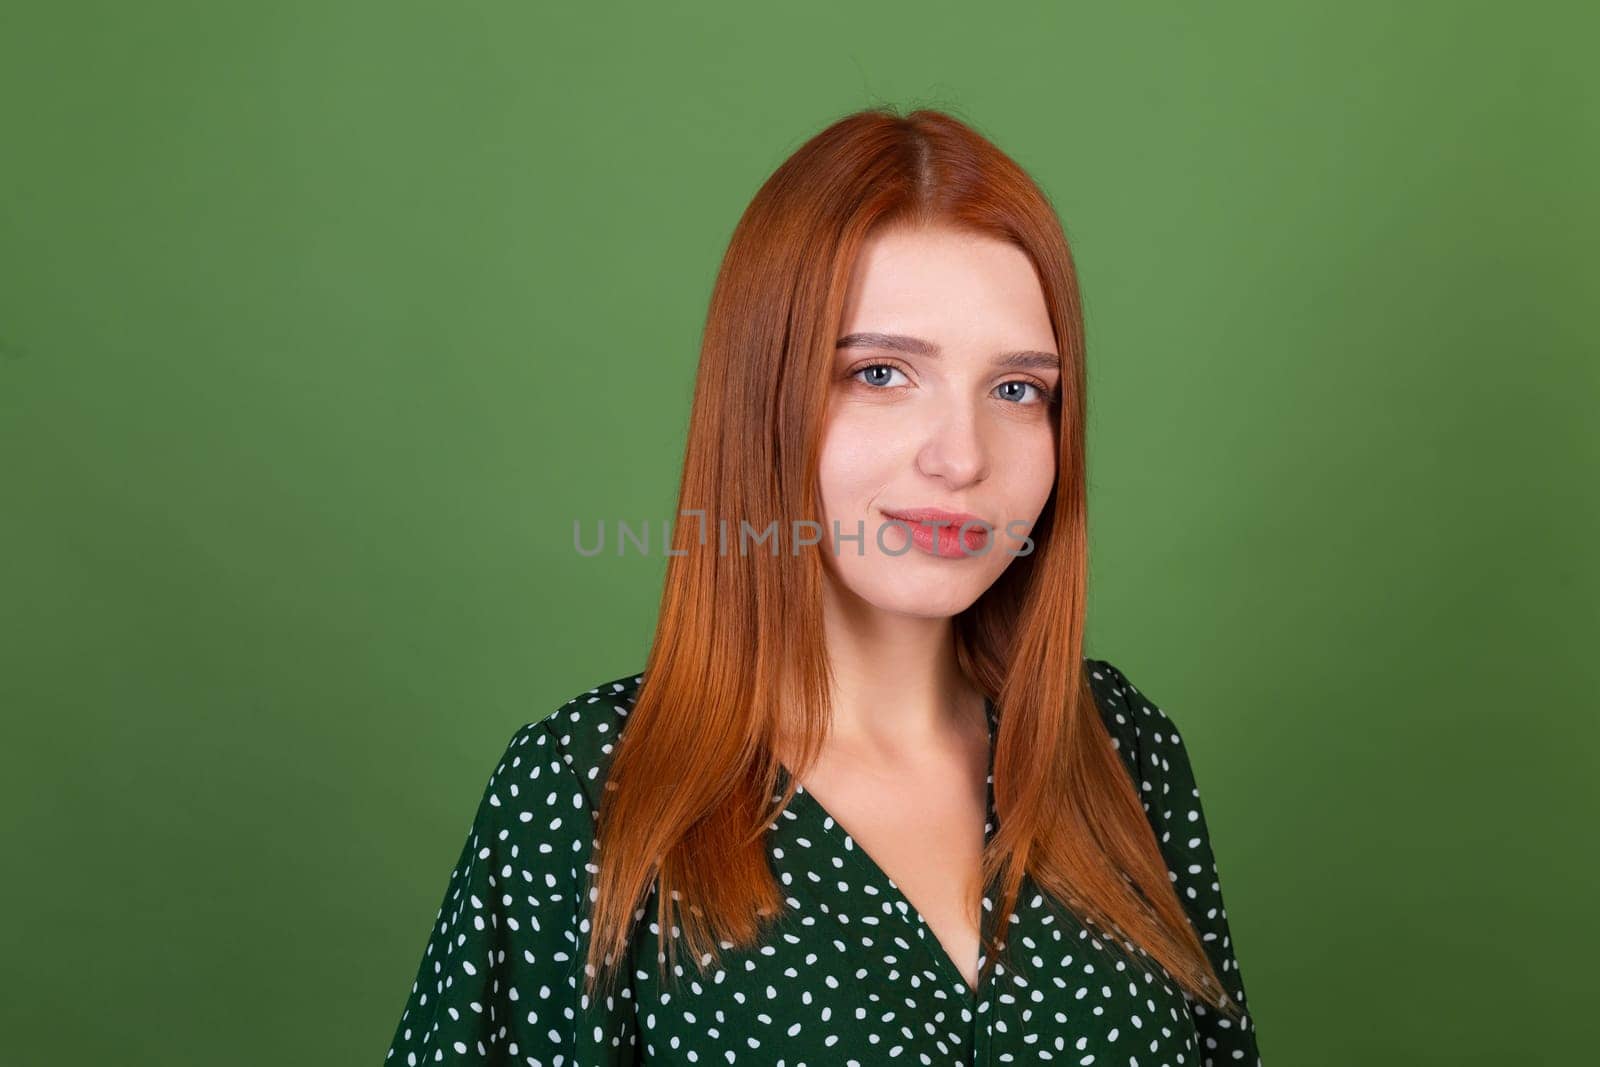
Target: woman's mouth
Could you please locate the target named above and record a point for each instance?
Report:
(939, 532)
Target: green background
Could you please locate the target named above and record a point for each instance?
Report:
(321, 322)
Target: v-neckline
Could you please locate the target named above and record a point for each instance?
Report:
(875, 870)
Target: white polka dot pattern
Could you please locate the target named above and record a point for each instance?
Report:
(849, 974)
(1154, 752)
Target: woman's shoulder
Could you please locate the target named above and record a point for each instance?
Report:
(1163, 775)
(1140, 729)
(511, 917)
(585, 728)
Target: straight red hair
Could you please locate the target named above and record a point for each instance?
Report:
(688, 794)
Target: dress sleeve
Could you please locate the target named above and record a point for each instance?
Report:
(501, 975)
(1166, 783)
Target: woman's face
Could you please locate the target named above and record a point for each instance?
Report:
(942, 397)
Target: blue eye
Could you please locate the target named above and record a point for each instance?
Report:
(1024, 385)
(878, 380)
(882, 376)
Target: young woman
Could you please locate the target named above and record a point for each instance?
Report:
(867, 801)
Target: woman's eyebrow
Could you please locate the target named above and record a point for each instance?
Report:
(917, 346)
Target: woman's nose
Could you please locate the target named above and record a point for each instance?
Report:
(954, 450)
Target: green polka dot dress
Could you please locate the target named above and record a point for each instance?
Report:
(851, 975)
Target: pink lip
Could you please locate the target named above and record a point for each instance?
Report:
(946, 540)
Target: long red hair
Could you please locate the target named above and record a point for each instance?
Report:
(688, 796)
